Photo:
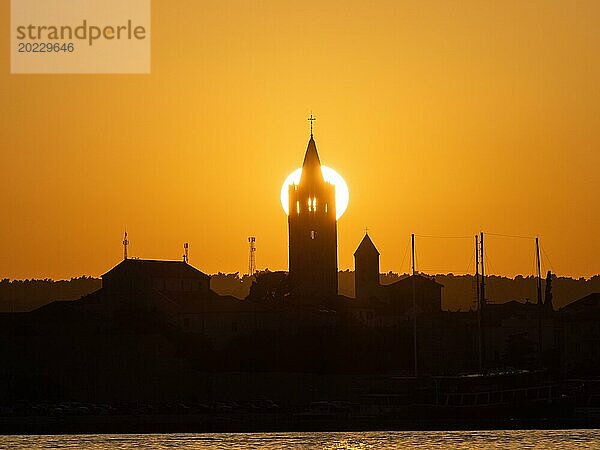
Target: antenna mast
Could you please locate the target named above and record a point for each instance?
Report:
(125, 244)
(186, 256)
(252, 255)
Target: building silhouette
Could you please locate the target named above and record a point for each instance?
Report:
(366, 266)
(398, 295)
(312, 231)
(137, 275)
(156, 343)
(394, 298)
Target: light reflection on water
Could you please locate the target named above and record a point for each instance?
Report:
(536, 439)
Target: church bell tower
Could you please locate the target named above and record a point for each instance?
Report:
(312, 230)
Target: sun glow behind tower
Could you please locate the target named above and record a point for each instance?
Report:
(342, 195)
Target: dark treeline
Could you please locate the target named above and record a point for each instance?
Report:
(458, 292)
(26, 295)
(231, 284)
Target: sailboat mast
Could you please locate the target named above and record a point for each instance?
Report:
(482, 297)
(539, 298)
(414, 304)
(479, 329)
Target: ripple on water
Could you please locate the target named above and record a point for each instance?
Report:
(518, 439)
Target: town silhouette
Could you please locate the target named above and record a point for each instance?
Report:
(159, 345)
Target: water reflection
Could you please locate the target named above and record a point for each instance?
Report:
(521, 439)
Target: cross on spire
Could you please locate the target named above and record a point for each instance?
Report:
(311, 119)
(366, 230)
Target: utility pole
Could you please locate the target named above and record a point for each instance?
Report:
(414, 302)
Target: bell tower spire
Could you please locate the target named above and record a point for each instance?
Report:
(312, 230)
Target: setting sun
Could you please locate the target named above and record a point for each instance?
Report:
(342, 195)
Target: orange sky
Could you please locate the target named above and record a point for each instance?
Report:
(445, 118)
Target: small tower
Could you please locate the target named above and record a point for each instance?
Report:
(366, 269)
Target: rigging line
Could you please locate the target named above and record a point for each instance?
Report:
(541, 264)
(470, 260)
(489, 273)
(443, 237)
(470, 263)
(445, 271)
(416, 259)
(509, 235)
(404, 256)
(488, 263)
(547, 257)
(534, 268)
